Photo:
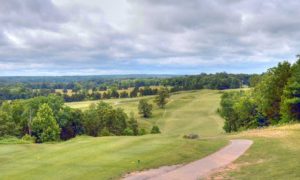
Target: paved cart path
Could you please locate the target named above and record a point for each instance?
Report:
(196, 169)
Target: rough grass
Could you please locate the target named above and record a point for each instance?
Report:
(275, 154)
(111, 157)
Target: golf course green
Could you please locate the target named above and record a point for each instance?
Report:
(275, 150)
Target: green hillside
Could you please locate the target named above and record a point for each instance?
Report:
(110, 157)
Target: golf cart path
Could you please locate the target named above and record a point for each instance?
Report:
(196, 169)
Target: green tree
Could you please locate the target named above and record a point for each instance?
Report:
(7, 125)
(134, 92)
(254, 80)
(91, 122)
(227, 111)
(70, 121)
(114, 93)
(161, 98)
(44, 125)
(269, 91)
(104, 116)
(290, 107)
(145, 108)
(116, 121)
(246, 110)
(133, 124)
(77, 88)
(124, 94)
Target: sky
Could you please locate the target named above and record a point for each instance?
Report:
(80, 37)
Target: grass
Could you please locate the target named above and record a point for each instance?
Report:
(274, 155)
(111, 157)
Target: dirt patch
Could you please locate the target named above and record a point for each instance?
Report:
(223, 173)
(267, 133)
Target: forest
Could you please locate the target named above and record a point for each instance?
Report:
(94, 88)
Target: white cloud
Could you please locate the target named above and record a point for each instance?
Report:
(139, 36)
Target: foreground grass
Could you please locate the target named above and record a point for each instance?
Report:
(275, 154)
(111, 157)
(98, 158)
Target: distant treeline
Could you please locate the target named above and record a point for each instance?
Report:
(114, 87)
(275, 99)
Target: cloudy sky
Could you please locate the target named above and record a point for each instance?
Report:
(67, 37)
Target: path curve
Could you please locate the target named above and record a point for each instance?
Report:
(196, 169)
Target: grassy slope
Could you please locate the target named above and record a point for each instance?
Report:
(110, 157)
(275, 154)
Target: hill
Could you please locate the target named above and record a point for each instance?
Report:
(274, 154)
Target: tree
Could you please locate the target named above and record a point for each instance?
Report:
(106, 95)
(134, 92)
(161, 98)
(116, 121)
(290, 107)
(246, 110)
(228, 100)
(44, 125)
(114, 93)
(91, 122)
(254, 80)
(77, 88)
(124, 94)
(65, 91)
(133, 124)
(7, 125)
(104, 117)
(145, 108)
(269, 91)
(70, 122)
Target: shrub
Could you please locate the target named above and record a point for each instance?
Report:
(142, 132)
(191, 136)
(28, 138)
(155, 130)
(105, 132)
(128, 132)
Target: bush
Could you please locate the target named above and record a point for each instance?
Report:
(28, 138)
(155, 130)
(142, 132)
(128, 132)
(105, 132)
(191, 136)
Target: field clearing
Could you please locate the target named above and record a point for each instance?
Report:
(70, 92)
(110, 157)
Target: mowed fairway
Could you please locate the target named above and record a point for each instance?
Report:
(111, 157)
